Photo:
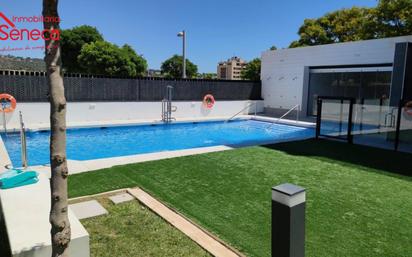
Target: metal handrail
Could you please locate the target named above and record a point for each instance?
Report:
(23, 142)
(247, 106)
(286, 113)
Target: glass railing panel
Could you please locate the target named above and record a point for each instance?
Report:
(374, 124)
(405, 131)
(334, 119)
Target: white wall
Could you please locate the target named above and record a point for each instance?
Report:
(37, 114)
(29, 230)
(283, 71)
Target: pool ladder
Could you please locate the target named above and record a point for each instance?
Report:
(167, 107)
(390, 118)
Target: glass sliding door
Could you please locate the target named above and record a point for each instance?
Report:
(321, 84)
(366, 85)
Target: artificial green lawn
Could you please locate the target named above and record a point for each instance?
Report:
(355, 207)
(131, 230)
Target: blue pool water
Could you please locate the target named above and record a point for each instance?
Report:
(331, 127)
(96, 143)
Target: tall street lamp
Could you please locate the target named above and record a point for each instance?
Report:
(182, 34)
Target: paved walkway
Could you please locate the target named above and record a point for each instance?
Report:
(202, 238)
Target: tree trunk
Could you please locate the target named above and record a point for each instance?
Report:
(60, 226)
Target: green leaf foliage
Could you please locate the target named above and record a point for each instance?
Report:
(390, 18)
(206, 75)
(137, 60)
(252, 70)
(72, 41)
(172, 67)
(105, 58)
(394, 18)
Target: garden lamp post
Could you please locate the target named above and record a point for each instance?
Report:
(182, 34)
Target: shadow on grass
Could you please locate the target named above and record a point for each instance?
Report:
(379, 159)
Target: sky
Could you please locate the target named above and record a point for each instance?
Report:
(216, 29)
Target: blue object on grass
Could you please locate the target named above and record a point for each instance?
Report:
(17, 178)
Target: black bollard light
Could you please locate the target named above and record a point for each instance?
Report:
(288, 221)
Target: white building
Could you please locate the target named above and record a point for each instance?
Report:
(368, 70)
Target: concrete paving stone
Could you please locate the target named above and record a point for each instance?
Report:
(121, 198)
(87, 209)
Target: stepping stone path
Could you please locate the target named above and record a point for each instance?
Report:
(87, 209)
(121, 198)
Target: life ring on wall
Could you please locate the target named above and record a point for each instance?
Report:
(7, 103)
(208, 101)
(408, 108)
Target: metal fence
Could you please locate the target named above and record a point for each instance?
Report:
(32, 87)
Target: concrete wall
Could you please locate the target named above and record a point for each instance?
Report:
(285, 72)
(37, 114)
(26, 216)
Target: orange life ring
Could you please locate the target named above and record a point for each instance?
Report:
(208, 101)
(9, 101)
(408, 108)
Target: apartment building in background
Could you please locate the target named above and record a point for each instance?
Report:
(231, 68)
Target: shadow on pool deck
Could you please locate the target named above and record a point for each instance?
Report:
(379, 159)
(5, 250)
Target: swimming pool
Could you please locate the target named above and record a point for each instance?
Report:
(105, 142)
(329, 127)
